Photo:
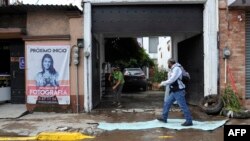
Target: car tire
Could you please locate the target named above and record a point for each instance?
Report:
(211, 104)
(242, 114)
(144, 88)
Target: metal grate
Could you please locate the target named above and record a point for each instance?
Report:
(247, 54)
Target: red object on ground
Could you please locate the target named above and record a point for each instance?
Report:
(232, 79)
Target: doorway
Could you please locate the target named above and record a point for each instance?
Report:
(12, 67)
(190, 55)
(158, 19)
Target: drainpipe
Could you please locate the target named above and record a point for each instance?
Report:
(87, 56)
(225, 81)
(77, 91)
(226, 55)
(75, 57)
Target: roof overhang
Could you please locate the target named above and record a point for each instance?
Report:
(132, 2)
(11, 33)
(24, 8)
(239, 4)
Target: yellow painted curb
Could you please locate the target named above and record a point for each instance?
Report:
(62, 136)
(52, 136)
(17, 138)
(165, 137)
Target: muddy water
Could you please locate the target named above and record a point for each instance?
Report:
(155, 101)
(178, 135)
(107, 112)
(154, 135)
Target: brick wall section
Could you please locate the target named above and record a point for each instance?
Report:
(232, 34)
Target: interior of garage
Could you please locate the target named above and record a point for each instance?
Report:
(184, 23)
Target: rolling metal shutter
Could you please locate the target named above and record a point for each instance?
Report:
(247, 54)
(140, 20)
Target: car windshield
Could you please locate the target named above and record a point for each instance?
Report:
(134, 71)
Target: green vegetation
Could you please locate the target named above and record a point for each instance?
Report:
(159, 75)
(126, 53)
(231, 100)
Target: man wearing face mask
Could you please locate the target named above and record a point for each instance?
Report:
(177, 92)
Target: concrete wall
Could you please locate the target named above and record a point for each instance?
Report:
(13, 20)
(76, 32)
(232, 35)
(47, 23)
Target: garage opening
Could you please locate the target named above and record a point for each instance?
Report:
(131, 58)
(130, 55)
(183, 23)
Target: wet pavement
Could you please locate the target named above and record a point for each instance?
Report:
(137, 107)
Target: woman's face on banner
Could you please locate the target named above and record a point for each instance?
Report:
(46, 63)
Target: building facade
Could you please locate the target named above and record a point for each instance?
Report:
(28, 32)
(233, 34)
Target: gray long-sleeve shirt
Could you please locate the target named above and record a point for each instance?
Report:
(176, 74)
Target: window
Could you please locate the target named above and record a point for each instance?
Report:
(153, 43)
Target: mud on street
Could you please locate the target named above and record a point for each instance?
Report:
(137, 107)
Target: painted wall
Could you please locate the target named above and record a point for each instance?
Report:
(48, 23)
(164, 52)
(13, 20)
(76, 32)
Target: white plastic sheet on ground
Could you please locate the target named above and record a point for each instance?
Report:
(172, 124)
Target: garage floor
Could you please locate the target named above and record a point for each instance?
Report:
(141, 100)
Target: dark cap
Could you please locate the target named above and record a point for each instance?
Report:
(172, 61)
(115, 67)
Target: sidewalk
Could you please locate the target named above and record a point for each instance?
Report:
(31, 125)
(8, 110)
(36, 122)
(86, 123)
(137, 108)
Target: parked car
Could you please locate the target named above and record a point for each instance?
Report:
(134, 78)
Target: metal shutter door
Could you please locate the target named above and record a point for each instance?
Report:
(247, 54)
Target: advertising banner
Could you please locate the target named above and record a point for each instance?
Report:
(47, 74)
